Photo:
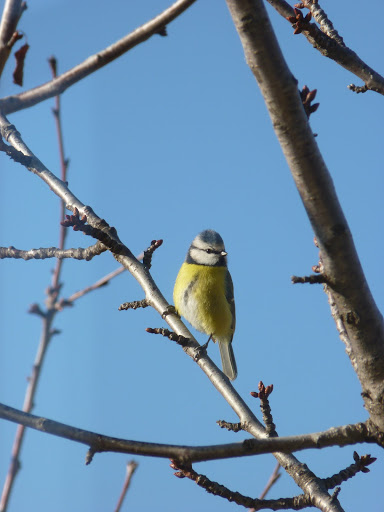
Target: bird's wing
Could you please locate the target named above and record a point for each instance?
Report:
(230, 298)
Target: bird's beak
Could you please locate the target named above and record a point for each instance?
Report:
(223, 253)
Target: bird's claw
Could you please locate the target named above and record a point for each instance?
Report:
(202, 349)
(171, 310)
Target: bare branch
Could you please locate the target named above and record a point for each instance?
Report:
(354, 308)
(322, 19)
(148, 253)
(337, 436)
(272, 480)
(180, 340)
(313, 279)
(360, 464)
(52, 252)
(330, 48)
(101, 282)
(263, 396)
(134, 305)
(131, 468)
(63, 168)
(232, 427)
(186, 471)
(91, 64)
(33, 381)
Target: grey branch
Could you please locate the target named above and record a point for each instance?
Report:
(52, 252)
(336, 436)
(317, 192)
(91, 64)
(354, 308)
(322, 19)
(330, 48)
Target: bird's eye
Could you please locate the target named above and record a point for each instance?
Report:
(208, 251)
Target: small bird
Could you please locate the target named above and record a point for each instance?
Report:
(203, 294)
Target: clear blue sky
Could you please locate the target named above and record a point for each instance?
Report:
(170, 139)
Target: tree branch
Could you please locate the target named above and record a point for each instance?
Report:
(91, 64)
(47, 316)
(53, 252)
(337, 436)
(295, 503)
(271, 482)
(98, 284)
(64, 162)
(131, 468)
(331, 48)
(354, 307)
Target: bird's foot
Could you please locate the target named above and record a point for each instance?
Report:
(171, 310)
(202, 350)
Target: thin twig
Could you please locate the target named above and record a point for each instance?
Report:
(46, 336)
(186, 471)
(313, 279)
(63, 171)
(148, 253)
(29, 401)
(98, 284)
(131, 468)
(272, 480)
(263, 396)
(135, 304)
(232, 427)
(360, 464)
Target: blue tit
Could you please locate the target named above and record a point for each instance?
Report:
(203, 294)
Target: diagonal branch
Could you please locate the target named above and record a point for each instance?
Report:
(91, 64)
(131, 468)
(353, 306)
(98, 284)
(329, 47)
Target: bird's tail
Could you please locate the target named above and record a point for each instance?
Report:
(228, 359)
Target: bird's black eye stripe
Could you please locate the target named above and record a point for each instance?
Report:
(209, 250)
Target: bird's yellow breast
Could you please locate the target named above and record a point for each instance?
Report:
(200, 297)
